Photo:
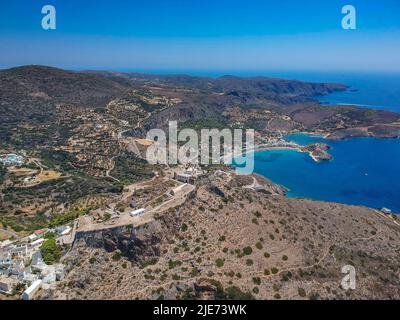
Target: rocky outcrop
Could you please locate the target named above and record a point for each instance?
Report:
(134, 243)
(318, 151)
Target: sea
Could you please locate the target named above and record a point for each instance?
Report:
(364, 171)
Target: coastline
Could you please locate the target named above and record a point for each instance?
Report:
(297, 149)
(360, 189)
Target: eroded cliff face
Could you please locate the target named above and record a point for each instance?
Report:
(133, 243)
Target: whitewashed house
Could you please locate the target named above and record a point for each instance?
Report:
(30, 292)
(7, 284)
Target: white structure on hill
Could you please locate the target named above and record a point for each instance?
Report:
(386, 211)
(30, 292)
(63, 230)
(137, 212)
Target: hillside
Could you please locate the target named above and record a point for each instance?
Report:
(228, 241)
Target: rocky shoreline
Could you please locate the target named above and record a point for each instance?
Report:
(318, 151)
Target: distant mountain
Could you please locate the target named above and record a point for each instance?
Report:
(29, 89)
(32, 91)
(228, 83)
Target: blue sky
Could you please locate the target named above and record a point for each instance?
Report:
(202, 35)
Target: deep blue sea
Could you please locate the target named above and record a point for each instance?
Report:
(365, 171)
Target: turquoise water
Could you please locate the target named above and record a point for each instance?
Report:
(365, 171)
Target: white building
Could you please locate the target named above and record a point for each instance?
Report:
(35, 245)
(8, 266)
(7, 284)
(63, 230)
(30, 277)
(11, 159)
(5, 244)
(30, 292)
(20, 251)
(178, 189)
(137, 212)
(183, 177)
(39, 266)
(386, 211)
(49, 275)
(32, 237)
(5, 261)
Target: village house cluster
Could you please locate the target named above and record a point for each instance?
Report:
(12, 159)
(22, 264)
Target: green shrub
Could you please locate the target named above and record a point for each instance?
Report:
(247, 251)
(219, 262)
(249, 262)
(175, 277)
(234, 293)
(50, 251)
(67, 217)
(116, 256)
(172, 264)
(50, 235)
(302, 292)
(149, 262)
(195, 272)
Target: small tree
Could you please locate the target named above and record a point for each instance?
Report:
(247, 251)
(51, 252)
(219, 262)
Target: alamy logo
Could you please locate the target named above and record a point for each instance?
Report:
(49, 20)
(349, 21)
(185, 147)
(349, 280)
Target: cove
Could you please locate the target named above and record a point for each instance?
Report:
(364, 171)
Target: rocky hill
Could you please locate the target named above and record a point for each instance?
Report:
(229, 241)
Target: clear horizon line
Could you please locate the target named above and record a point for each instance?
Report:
(199, 70)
